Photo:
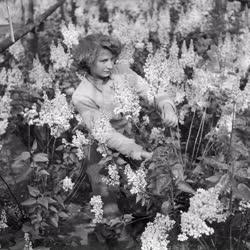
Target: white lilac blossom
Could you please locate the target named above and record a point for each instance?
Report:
(95, 26)
(101, 127)
(155, 235)
(244, 206)
(156, 73)
(39, 76)
(56, 113)
(175, 71)
(126, 99)
(14, 77)
(67, 184)
(3, 76)
(17, 50)
(228, 52)
(30, 115)
(5, 109)
(189, 57)
(79, 140)
(70, 34)
(3, 221)
(133, 7)
(164, 25)
(59, 57)
(97, 208)
(205, 207)
(28, 243)
(128, 31)
(225, 123)
(113, 178)
(191, 20)
(136, 180)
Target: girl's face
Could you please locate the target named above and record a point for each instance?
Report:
(103, 65)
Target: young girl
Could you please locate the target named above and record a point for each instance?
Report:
(97, 55)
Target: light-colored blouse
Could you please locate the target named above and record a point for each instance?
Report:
(90, 101)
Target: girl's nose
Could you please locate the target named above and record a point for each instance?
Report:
(110, 64)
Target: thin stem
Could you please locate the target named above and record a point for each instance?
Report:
(202, 244)
(10, 22)
(239, 238)
(189, 133)
(202, 129)
(53, 149)
(195, 142)
(12, 194)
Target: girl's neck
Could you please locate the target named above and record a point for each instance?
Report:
(98, 82)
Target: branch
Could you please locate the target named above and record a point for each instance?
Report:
(6, 43)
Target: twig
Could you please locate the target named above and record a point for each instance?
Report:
(202, 129)
(198, 133)
(189, 133)
(10, 23)
(6, 43)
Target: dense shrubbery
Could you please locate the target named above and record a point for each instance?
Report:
(194, 193)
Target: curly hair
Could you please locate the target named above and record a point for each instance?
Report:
(89, 46)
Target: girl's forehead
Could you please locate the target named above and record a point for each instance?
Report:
(104, 53)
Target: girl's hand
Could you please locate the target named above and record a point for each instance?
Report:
(169, 116)
(141, 155)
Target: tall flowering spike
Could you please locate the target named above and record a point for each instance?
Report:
(228, 51)
(126, 99)
(156, 233)
(5, 109)
(129, 31)
(3, 77)
(244, 52)
(156, 72)
(70, 34)
(56, 113)
(39, 76)
(205, 207)
(95, 26)
(188, 56)
(176, 72)
(164, 25)
(194, 18)
(97, 208)
(59, 57)
(3, 221)
(15, 77)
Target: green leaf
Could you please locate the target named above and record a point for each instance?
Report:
(51, 201)
(44, 172)
(60, 148)
(54, 220)
(23, 156)
(52, 208)
(33, 191)
(63, 215)
(183, 186)
(29, 202)
(214, 178)
(34, 146)
(40, 157)
(44, 202)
